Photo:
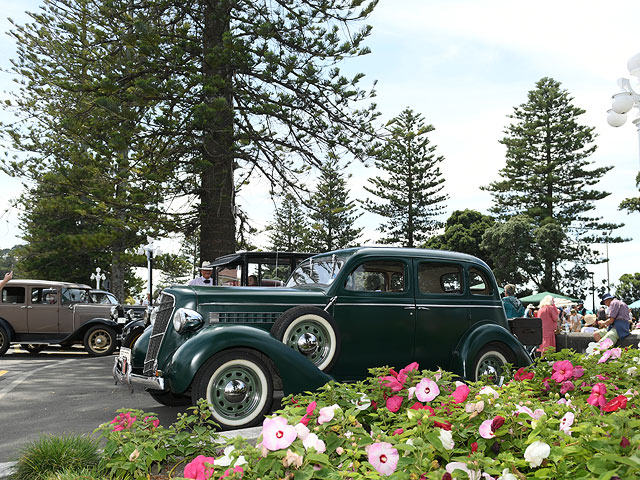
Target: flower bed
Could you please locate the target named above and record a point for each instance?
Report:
(567, 416)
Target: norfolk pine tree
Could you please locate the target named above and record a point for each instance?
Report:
(289, 231)
(331, 213)
(91, 175)
(548, 180)
(411, 188)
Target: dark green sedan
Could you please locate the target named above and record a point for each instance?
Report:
(339, 314)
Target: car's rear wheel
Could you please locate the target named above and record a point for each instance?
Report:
(100, 341)
(170, 399)
(490, 363)
(4, 340)
(238, 386)
(32, 348)
(312, 332)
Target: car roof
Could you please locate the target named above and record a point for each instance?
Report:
(45, 283)
(410, 252)
(234, 257)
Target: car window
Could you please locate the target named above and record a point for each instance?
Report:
(74, 295)
(439, 278)
(13, 295)
(479, 283)
(376, 276)
(44, 296)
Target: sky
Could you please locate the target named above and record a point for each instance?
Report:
(464, 65)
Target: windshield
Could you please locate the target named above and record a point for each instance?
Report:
(318, 270)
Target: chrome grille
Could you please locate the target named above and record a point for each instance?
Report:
(163, 318)
(249, 317)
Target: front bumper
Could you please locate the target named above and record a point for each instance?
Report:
(122, 375)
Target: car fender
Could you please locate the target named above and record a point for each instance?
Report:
(133, 325)
(479, 336)
(139, 351)
(298, 373)
(79, 333)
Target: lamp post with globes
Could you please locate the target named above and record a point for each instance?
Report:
(97, 277)
(627, 98)
(150, 250)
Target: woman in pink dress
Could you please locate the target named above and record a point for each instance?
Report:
(548, 314)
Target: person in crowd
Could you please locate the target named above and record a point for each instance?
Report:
(204, 280)
(548, 314)
(512, 306)
(616, 326)
(7, 276)
(575, 321)
(252, 281)
(589, 323)
(530, 311)
(581, 309)
(602, 314)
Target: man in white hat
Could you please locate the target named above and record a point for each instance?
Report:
(204, 280)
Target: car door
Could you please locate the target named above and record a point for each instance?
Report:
(14, 307)
(43, 310)
(374, 310)
(442, 313)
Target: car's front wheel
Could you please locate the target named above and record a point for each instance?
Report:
(238, 386)
(100, 341)
(490, 363)
(312, 332)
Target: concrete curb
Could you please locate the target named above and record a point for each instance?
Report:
(250, 434)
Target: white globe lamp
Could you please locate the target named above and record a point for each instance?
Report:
(616, 119)
(622, 102)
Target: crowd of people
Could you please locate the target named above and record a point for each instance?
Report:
(612, 320)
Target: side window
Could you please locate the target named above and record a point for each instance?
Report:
(13, 295)
(44, 296)
(439, 278)
(377, 276)
(74, 295)
(479, 283)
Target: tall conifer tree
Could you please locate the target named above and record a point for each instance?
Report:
(410, 188)
(548, 179)
(289, 230)
(331, 213)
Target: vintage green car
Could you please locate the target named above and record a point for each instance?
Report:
(339, 314)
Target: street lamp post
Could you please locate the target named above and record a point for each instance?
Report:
(593, 289)
(150, 251)
(626, 99)
(97, 277)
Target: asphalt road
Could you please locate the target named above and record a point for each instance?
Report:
(57, 392)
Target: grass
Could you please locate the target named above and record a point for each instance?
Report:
(51, 454)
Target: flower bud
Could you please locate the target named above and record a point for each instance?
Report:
(624, 442)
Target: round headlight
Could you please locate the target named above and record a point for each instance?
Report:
(153, 315)
(187, 319)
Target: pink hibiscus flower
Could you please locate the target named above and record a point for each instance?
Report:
(566, 422)
(394, 403)
(521, 375)
(277, 433)
(427, 390)
(562, 370)
(200, 468)
(567, 386)
(123, 421)
(231, 471)
(461, 393)
(488, 428)
(613, 353)
(383, 457)
(578, 371)
(597, 396)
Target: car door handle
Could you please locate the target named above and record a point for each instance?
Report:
(26, 306)
(410, 308)
(424, 308)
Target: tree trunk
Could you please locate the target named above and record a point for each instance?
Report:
(217, 220)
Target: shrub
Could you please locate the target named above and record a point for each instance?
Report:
(51, 453)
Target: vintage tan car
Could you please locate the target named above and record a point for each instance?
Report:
(37, 313)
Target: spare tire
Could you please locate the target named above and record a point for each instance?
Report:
(312, 332)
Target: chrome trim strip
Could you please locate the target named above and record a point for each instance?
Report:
(261, 304)
(375, 305)
(418, 305)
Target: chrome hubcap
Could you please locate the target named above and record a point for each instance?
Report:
(307, 343)
(235, 391)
